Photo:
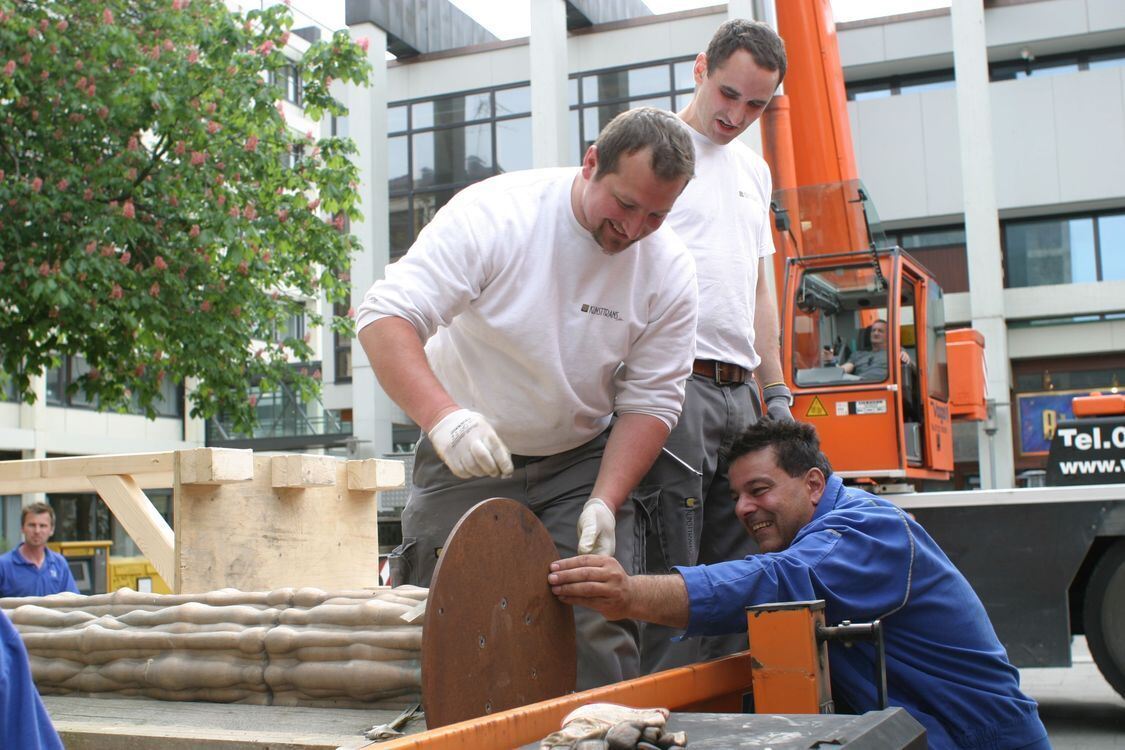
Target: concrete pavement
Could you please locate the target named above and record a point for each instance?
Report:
(1079, 708)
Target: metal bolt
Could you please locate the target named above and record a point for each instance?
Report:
(481, 641)
(503, 603)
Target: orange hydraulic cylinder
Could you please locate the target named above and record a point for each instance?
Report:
(1099, 405)
(777, 148)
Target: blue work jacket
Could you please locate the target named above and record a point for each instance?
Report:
(868, 560)
(18, 577)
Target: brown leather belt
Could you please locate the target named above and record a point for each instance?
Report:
(722, 373)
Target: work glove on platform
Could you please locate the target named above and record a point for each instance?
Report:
(469, 446)
(597, 529)
(619, 726)
(778, 398)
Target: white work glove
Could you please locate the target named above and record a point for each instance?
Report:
(469, 446)
(597, 529)
(778, 397)
(625, 726)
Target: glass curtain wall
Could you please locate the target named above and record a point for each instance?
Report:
(596, 97)
(1065, 250)
(439, 146)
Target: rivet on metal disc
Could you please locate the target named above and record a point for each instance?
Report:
(481, 641)
(503, 603)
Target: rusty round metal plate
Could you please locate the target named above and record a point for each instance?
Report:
(494, 636)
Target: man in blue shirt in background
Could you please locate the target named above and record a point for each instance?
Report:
(31, 569)
(868, 560)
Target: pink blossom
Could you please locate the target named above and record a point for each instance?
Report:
(249, 213)
(236, 311)
(283, 39)
(107, 17)
(154, 290)
(1, 265)
(243, 268)
(205, 306)
(253, 400)
(91, 246)
(88, 194)
(44, 269)
(10, 68)
(133, 144)
(159, 264)
(125, 258)
(37, 184)
(194, 231)
(169, 45)
(197, 158)
(251, 143)
(338, 222)
(117, 292)
(103, 112)
(62, 184)
(351, 312)
(44, 75)
(282, 215)
(266, 256)
(364, 43)
(43, 24)
(1, 174)
(81, 83)
(265, 47)
(78, 65)
(193, 56)
(212, 127)
(131, 174)
(107, 250)
(180, 148)
(211, 107)
(62, 25)
(128, 211)
(314, 204)
(33, 32)
(221, 200)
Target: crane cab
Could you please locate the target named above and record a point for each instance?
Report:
(864, 352)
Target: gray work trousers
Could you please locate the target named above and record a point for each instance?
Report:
(687, 512)
(555, 489)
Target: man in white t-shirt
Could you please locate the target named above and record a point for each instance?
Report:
(534, 309)
(723, 218)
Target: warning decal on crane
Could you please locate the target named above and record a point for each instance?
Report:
(816, 409)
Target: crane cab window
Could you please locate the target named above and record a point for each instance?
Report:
(841, 334)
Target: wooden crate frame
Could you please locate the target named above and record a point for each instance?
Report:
(254, 523)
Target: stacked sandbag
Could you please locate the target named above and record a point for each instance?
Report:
(289, 647)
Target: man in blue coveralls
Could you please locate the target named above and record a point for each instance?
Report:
(24, 722)
(31, 569)
(868, 560)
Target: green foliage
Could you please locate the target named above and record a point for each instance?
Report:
(147, 218)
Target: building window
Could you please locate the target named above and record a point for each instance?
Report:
(1065, 250)
(288, 79)
(342, 347)
(170, 402)
(1053, 65)
(596, 97)
(436, 147)
(940, 249)
(878, 88)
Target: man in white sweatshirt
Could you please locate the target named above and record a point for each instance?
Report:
(723, 218)
(534, 309)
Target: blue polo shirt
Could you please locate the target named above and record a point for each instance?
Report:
(18, 577)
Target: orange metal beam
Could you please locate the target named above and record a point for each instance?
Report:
(790, 664)
(814, 83)
(713, 686)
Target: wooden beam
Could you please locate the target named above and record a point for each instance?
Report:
(302, 470)
(376, 475)
(70, 474)
(214, 466)
(132, 508)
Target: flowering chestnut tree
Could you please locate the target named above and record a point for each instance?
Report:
(157, 214)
